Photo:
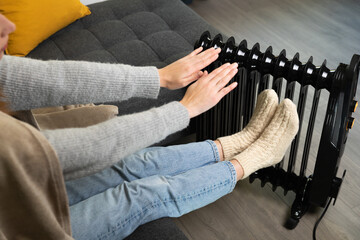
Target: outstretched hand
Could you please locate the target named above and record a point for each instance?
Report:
(187, 69)
(209, 89)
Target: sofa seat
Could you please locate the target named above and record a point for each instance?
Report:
(136, 32)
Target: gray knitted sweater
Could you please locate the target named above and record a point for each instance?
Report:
(29, 83)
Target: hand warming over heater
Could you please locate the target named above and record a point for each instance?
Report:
(209, 89)
(187, 69)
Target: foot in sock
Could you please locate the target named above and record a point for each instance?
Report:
(266, 105)
(271, 146)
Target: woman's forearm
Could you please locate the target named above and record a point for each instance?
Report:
(84, 151)
(30, 83)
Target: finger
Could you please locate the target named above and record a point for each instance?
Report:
(209, 50)
(214, 74)
(193, 77)
(227, 89)
(199, 54)
(204, 76)
(219, 73)
(200, 61)
(206, 61)
(226, 79)
(225, 76)
(208, 53)
(196, 51)
(205, 58)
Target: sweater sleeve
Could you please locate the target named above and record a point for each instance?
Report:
(29, 83)
(84, 151)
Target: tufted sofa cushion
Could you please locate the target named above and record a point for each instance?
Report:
(136, 32)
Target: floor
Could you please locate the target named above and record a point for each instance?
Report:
(324, 29)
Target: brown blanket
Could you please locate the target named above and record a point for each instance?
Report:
(33, 202)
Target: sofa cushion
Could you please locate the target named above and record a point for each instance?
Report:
(75, 117)
(136, 32)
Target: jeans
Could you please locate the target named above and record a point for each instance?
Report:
(150, 184)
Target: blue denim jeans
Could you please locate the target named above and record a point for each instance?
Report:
(150, 184)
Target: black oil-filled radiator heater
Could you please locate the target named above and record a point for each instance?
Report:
(303, 84)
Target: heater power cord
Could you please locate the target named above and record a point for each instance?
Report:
(318, 221)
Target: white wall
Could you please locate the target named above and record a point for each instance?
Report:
(87, 2)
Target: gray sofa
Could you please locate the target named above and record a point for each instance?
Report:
(136, 32)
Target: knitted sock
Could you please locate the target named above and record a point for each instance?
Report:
(271, 146)
(265, 108)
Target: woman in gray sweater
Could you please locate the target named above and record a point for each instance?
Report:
(144, 183)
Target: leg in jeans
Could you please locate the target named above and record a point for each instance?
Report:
(117, 212)
(173, 160)
(151, 161)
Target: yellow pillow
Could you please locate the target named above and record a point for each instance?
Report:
(36, 20)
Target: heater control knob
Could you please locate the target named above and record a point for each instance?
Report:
(354, 105)
(350, 123)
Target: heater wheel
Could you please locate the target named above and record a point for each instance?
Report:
(291, 223)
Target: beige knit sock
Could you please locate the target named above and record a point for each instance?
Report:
(271, 146)
(266, 105)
